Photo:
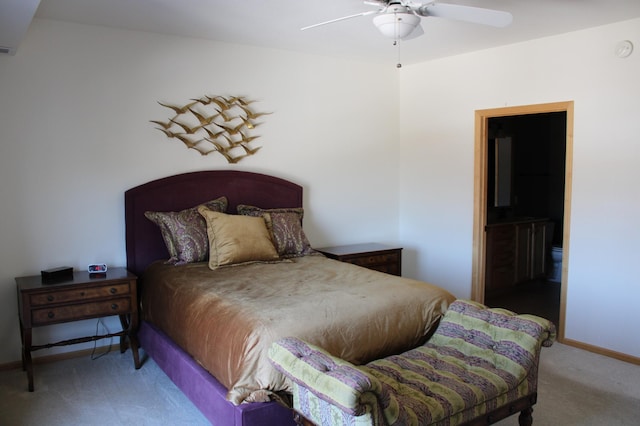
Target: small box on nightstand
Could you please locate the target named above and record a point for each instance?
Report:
(57, 274)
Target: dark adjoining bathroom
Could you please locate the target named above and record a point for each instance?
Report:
(525, 213)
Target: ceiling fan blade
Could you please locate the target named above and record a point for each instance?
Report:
(477, 15)
(357, 15)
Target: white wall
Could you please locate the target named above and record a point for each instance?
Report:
(75, 105)
(437, 104)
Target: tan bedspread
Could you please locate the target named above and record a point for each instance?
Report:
(227, 318)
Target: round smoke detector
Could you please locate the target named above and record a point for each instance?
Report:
(624, 49)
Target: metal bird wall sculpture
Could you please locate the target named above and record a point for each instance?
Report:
(214, 124)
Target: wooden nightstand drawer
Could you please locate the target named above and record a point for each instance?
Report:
(369, 255)
(370, 261)
(78, 294)
(74, 312)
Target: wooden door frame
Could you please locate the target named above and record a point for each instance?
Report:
(480, 194)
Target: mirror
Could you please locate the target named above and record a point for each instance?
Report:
(502, 190)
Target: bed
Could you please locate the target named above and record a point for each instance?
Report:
(209, 326)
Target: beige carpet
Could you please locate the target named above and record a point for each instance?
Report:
(576, 388)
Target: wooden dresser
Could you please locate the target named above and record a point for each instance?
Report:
(375, 256)
(84, 296)
(516, 252)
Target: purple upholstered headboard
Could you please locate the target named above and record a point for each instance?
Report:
(143, 240)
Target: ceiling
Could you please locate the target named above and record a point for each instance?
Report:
(277, 23)
(15, 17)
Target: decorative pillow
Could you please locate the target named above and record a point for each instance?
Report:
(237, 239)
(185, 232)
(285, 225)
(249, 210)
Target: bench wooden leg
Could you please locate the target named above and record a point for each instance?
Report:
(301, 420)
(525, 418)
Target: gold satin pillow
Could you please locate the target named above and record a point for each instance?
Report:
(237, 239)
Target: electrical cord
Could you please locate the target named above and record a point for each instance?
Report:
(95, 342)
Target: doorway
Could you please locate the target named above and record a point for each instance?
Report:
(521, 207)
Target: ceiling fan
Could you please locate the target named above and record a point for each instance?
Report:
(400, 19)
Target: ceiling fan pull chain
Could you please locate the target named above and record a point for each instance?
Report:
(396, 41)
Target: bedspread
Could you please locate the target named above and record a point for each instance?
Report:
(227, 319)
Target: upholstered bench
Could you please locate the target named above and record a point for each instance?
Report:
(480, 366)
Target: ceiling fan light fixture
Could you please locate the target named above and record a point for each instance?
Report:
(396, 25)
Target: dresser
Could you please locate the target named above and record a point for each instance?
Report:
(516, 252)
(84, 296)
(379, 257)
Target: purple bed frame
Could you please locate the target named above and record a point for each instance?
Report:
(145, 245)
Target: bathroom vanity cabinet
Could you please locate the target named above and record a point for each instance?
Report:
(516, 252)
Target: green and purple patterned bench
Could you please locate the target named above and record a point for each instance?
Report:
(480, 366)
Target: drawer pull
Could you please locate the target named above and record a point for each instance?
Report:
(113, 290)
(51, 315)
(82, 293)
(50, 298)
(114, 306)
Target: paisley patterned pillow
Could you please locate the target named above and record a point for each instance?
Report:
(185, 232)
(285, 225)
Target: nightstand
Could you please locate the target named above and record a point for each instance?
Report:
(84, 296)
(375, 256)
